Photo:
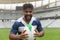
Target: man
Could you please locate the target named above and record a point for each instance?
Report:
(28, 19)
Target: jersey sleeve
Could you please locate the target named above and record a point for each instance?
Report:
(14, 29)
(39, 26)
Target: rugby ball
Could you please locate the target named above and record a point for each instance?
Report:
(30, 33)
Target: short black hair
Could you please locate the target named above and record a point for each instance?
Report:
(26, 6)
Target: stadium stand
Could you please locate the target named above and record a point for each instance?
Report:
(50, 19)
(48, 14)
(51, 23)
(15, 1)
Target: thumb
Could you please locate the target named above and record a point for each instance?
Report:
(24, 31)
(35, 30)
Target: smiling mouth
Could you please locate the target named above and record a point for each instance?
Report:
(28, 17)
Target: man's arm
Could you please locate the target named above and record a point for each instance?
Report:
(13, 34)
(39, 34)
(13, 37)
(14, 30)
(39, 31)
(21, 36)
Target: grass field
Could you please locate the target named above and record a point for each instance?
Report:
(50, 34)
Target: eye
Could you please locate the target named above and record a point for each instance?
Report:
(28, 11)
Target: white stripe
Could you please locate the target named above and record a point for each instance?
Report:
(21, 20)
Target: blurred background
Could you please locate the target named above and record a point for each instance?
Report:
(48, 11)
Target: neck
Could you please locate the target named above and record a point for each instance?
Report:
(26, 21)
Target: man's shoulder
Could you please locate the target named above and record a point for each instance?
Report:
(35, 19)
(19, 19)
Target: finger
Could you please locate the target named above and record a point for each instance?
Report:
(25, 37)
(35, 33)
(24, 34)
(24, 31)
(35, 30)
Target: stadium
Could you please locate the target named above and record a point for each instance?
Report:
(48, 11)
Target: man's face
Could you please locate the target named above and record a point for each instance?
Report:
(28, 14)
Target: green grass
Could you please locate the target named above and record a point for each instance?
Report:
(50, 34)
(4, 34)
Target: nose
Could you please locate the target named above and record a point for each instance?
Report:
(29, 13)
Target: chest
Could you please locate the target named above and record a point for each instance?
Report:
(23, 26)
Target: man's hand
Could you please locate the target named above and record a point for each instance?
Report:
(23, 35)
(38, 34)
